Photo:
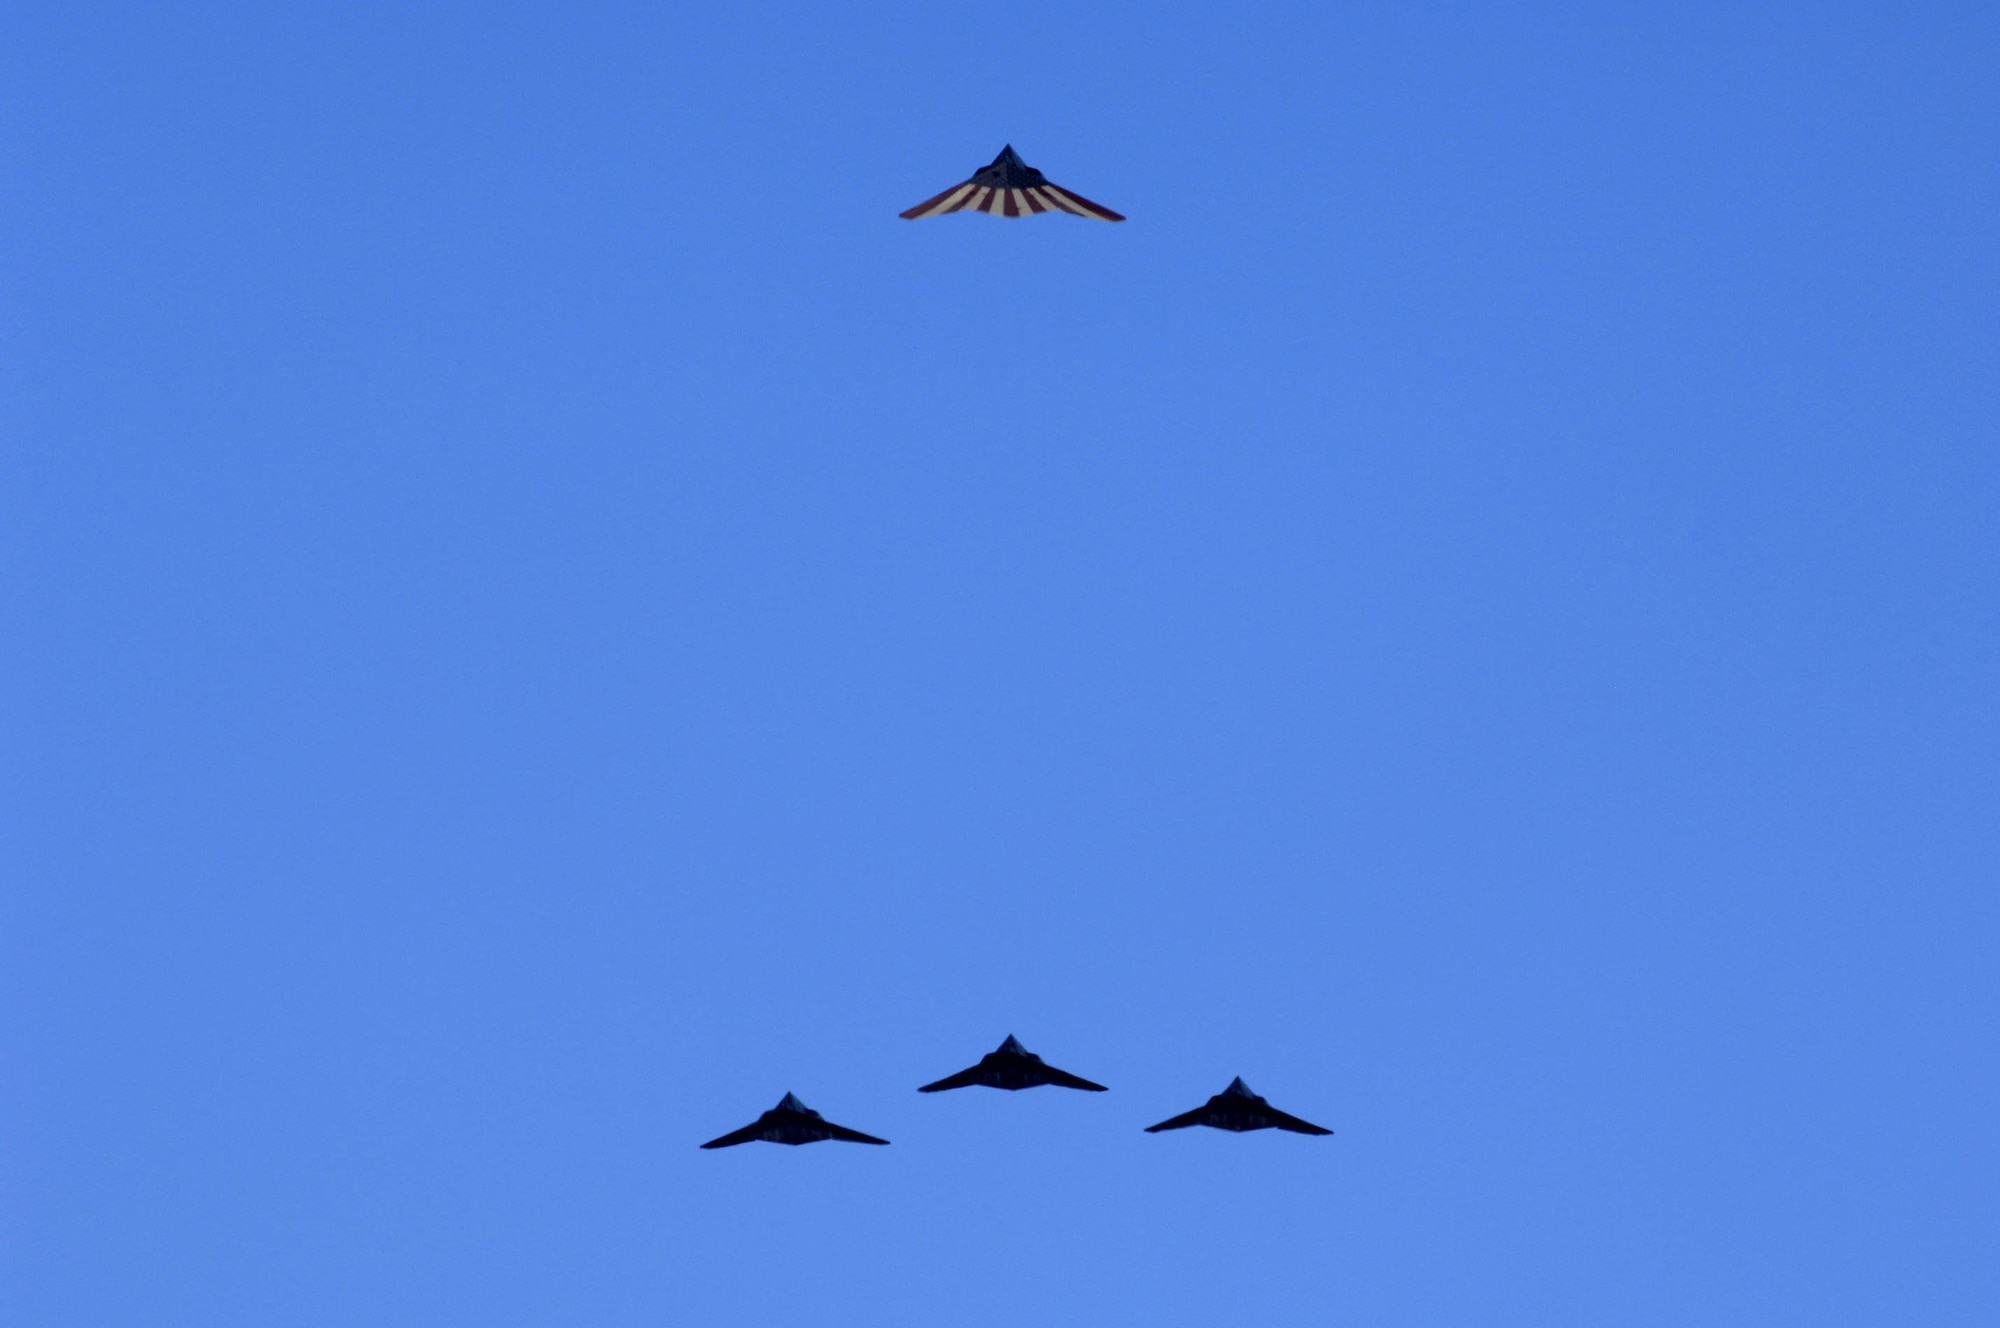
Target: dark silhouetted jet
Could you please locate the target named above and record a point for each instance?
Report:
(1012, 1067)
(1237, 1108)
(791, 1122)
(1010, 187)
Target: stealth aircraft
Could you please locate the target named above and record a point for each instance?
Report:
(1012, 1067)
(1237, 1108)
(791, 1122)
(1010, 187)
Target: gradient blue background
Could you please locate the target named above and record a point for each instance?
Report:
(539, 616)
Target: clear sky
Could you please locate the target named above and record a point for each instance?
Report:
(540, 616)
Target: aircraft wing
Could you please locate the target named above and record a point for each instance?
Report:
(851, 1136)
(1064, 1079)
(747, 1134)
(958, 193)
(963, 1079)
(1293, 1123)
(1182, 1121)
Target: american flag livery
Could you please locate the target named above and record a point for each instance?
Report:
(1009, 187)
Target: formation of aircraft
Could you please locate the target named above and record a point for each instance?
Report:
(1008, 187)
(1013, 1067)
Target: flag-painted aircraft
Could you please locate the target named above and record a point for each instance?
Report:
(1010, 187)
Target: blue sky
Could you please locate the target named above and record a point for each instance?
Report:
(539, 616)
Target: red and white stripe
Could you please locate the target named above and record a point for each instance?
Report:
(969, 197)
